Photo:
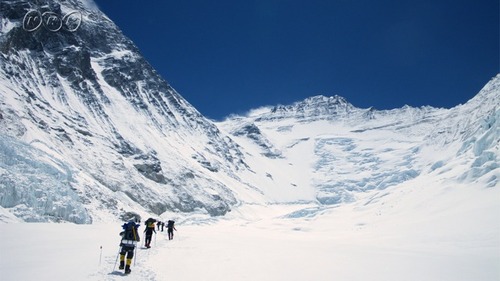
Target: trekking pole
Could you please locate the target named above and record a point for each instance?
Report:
(135, 255)
(100, 256)
(117, 255)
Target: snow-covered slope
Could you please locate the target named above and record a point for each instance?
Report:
(324, 150)
(90, 132)
(104, 121)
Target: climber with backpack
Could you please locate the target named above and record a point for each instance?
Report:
(170, 229)
(130, 237)
(150, 228)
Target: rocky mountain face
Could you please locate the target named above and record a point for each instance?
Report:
(89, 131)
(88, 100)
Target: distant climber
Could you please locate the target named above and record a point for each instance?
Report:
(130, 237)
(170, 229)
(150, 228)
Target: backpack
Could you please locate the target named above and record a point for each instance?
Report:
(130, 232)
(170, 223)
(150, 223)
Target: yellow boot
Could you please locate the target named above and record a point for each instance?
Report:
(122, 262)
(127, 267)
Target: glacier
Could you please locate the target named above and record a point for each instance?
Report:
(37, 187)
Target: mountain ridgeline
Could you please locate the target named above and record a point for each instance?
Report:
(89, 131)
(88, 100)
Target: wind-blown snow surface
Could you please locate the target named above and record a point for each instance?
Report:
(404, 233)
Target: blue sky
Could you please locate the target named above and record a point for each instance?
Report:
(228, 57)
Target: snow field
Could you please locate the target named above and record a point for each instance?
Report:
(404, 233)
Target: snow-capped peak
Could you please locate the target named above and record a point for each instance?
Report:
(89, 131)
